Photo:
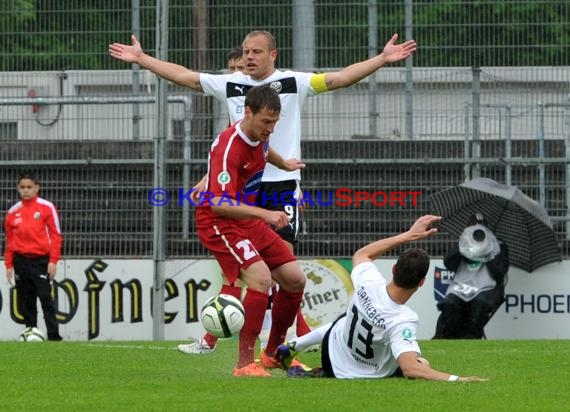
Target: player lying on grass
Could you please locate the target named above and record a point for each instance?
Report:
(376, 338)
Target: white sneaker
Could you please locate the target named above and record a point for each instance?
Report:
(199, 346)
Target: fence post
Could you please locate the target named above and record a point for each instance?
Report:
(160, 175)
(476, 93)
(186, 168)
(508, 146)
(409, 91)
(303, 35)
(136, 23)
(372, 79)
(567, 177)
(541, 165)
(466, 145)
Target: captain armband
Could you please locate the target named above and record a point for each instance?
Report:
(318, 83)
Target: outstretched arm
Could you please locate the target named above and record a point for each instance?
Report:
(419, 230)
(415, 367)
(391, 53)
(172, 72)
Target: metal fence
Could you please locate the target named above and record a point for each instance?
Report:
(86, 125)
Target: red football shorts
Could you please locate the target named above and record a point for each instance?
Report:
(236, 247)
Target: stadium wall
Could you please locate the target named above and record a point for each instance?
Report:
(110, 299)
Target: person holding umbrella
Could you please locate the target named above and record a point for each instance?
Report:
(480, 263)
(518, 220)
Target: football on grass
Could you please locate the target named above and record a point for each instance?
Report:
(222, 316)
(32, 335)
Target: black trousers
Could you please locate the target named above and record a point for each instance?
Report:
(32, 282)
(466, 320)
(280, 196)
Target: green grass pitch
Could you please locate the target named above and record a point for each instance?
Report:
(154, 376)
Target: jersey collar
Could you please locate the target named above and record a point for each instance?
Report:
(244, 137)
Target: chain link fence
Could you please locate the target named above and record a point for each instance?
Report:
(470, 104)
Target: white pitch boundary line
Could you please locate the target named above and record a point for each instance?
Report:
(121, 346)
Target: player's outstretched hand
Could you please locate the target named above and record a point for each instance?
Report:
(293, 164)
(395, 52)
(472, 379)
(422, 227)
(126, 53)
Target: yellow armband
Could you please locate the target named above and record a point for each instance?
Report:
(318, 83)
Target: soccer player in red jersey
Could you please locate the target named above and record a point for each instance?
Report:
(241, 235)
(207, 343)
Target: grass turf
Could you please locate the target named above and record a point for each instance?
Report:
(153, 376)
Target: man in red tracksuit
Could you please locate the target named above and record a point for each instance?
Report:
(33, 247)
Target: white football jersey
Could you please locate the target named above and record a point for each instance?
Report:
(375, 331)
(293, 88)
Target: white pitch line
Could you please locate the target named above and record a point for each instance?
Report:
(128, 346)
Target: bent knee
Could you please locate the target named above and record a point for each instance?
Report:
(294, 285)
(261, 284)
(295, 282)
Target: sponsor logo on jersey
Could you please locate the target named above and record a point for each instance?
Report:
(276, 86)
(287, 85)
(253, 183)
(236, 89)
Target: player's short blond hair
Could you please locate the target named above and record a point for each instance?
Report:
(271, 43)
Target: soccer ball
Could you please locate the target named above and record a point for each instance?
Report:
(222, 316)
(32, 335)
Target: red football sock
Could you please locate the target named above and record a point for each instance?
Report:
(285, 307)
(302, 326)
(254, 304)
(232, 290)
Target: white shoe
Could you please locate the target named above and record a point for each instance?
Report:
(199, 346)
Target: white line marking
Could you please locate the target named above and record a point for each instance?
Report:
(129, 346)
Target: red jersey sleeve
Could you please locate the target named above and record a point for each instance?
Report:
(9, 250)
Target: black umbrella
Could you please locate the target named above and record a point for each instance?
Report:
(514, 218)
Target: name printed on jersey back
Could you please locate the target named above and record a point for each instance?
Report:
(368, 308)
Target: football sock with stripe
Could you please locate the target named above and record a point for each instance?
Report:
(254, 304)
